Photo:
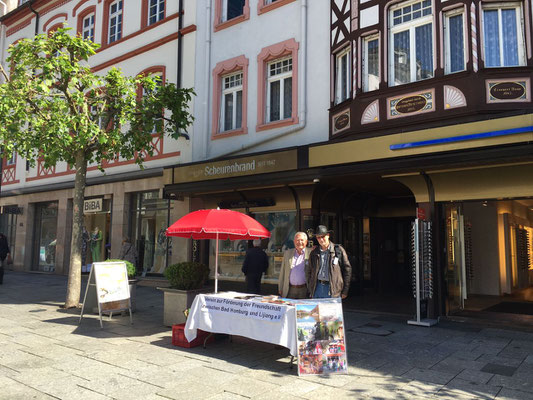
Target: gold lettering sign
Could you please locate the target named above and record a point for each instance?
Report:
(260, 164)
(507, 91)
(411, 104)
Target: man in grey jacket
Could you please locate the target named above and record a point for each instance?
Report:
(291, 281)
(329, 271)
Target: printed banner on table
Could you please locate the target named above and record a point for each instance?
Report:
(244, 308)
(321, 340)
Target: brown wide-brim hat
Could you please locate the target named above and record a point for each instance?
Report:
(322, 230)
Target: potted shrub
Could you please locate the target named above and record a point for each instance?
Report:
(186, 280)
(132, 280)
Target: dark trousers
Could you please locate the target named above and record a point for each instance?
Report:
(253, 283)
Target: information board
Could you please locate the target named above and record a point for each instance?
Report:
(320, 335)
(110, 280)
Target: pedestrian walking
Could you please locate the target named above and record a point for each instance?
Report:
(5, 255)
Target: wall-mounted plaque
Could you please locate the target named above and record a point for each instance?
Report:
(341, 121)
(410, 104)
(501, 91)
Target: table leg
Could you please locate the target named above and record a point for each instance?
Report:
(207, 337)
(291, 364)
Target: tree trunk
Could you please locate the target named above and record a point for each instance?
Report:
(74, 274)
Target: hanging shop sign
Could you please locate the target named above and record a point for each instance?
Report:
(93, 205)
(410, 104)
(259, 164)
(505, 90)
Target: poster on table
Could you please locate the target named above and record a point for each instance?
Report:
(320, 335)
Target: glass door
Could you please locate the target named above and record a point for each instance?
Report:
(46, 237)
(455, 266)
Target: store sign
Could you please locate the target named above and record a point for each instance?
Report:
(92, 205)
(11, 210)
(341, 121)
(501, 91)
(260, 164)
(410, 104)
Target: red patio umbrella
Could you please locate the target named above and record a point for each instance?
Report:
(219, 225)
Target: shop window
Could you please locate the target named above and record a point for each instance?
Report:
(454, 42)
(370, 63)
(411, 42)
(282, 226)
(342, 75)
(503, 38)
(230, 90)
(46, 237)
(149, 220)
(277, 103)
(230, 12)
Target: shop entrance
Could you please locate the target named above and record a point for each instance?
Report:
(489, 269)
(372, 217)
(45, 234)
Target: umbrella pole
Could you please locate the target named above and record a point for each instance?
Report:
(216, 266)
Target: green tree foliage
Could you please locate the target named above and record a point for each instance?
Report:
(54, 108)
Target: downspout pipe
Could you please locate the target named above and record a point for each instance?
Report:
(302, 89)
(180, 40)
(3, 38)
(37, 17)
(207, 75)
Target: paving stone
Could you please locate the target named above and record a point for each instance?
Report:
(327, 392)
(499, 369)
(454, 366)
(460, 387)
(474, 376)
(426, 375)
(500, 360)
(510, 394)
(248, 387)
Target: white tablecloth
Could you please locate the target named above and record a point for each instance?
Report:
(282, 332)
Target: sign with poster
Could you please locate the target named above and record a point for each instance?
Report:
(110, 280)
(320, 336)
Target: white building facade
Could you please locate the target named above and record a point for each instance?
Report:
(141, 36)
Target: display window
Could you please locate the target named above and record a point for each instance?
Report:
(150, 218)
(282, 227)
(44, 254)
(96, 235)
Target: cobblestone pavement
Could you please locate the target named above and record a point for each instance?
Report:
(45, 354)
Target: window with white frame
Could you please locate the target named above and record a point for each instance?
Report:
(454, 42)
(269, 2)
(232, 9)
(411, 42)
(87, 27)
(370, 63)
(115, 21)
(145, 91)
(503, 38)
(12, 160)
(342, 76)
(279, 89)
(156, 11)
(231, 104)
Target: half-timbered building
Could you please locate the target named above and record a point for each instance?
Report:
(434, 95)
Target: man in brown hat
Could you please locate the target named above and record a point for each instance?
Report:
(329, 272)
